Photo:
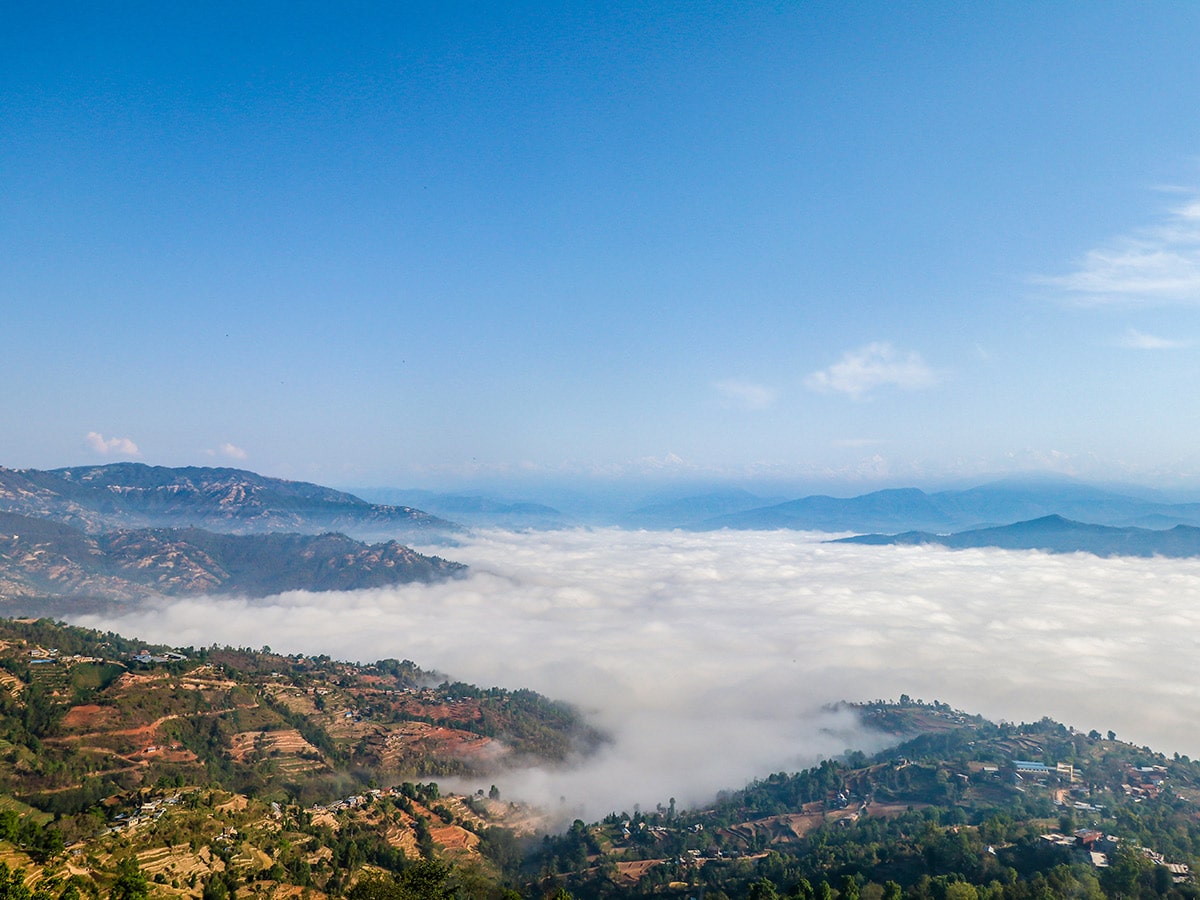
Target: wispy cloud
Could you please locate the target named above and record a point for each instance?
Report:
(1139, 340)
(227, 450)
(1154, 265)
(745, 394)
(111, 446)
(876, 365)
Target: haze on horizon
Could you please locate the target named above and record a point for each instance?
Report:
(404, 245)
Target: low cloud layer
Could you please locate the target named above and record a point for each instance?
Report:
(710, 657)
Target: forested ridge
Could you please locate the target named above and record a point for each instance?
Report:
(961, 809)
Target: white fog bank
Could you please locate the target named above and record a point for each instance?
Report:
(709, 657)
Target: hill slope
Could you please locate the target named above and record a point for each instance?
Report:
(42, 558)
(71, 698)
(963, 809)
(132, 772)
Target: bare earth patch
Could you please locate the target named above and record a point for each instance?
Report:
(633, 872)
(454, 839)
(90, 717)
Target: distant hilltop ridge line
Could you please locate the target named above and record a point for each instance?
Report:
(1054, 534)
(895, 510)
(129, 531)
(713, 507)
(136, 495)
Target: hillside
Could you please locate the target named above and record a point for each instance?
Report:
(960, 809)
(132, 772)
(191, 770)
(247, 720)
(133, 495)
(40, 558)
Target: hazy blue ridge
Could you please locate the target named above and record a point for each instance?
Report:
(684, 512)
(888, 511)
(880, 510)
(998, 503)
(475, 510)
(1055, 534)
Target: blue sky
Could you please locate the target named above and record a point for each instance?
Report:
(435, 245)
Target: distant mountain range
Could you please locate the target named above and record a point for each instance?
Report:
(998, 503)
(1054, 534)
(132, 495)
(889, 511)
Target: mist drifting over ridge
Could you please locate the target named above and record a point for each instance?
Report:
(710, 658)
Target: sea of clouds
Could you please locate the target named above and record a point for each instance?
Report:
(713, 658)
